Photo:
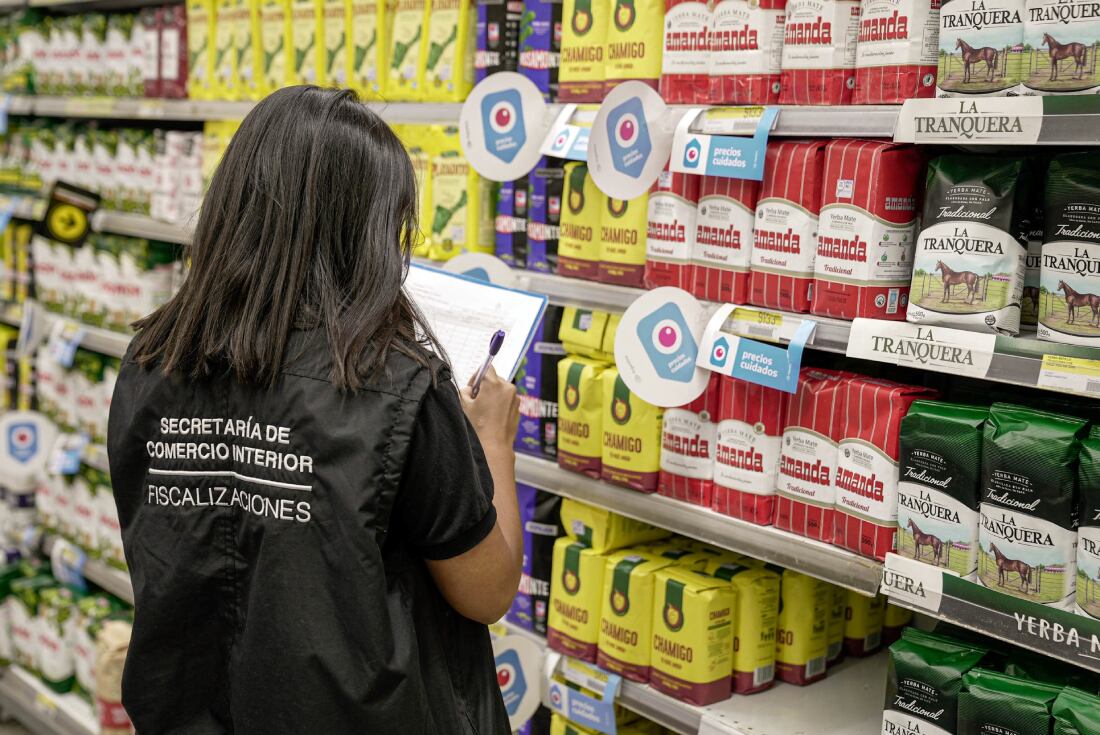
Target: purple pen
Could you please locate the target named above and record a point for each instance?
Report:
(494, 348)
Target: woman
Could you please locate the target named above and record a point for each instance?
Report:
(309, 518)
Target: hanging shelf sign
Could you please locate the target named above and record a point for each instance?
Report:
(567, 137)
(756, 362)
(731, 156)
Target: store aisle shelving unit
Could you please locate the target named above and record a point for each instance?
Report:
(42, 710)
(782, 710)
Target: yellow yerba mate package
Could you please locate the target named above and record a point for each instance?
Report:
(580, 400)
(578, 240)
(635, 40)
(407, 50)
(894, 620)
(604, 530)
(367, 26)
(802, 632)
(450, 201)
(248, 49)
(306, 41)
(583, 37)
(863, 618)
(838, 597)
(275, 51)
(631, 436)
(334, 53)
(576, 590)
(561, 726)
(449, 64)
(623, 241)
(226, 81)
(584, 332)
(200, 49)
(754, 624)
(626, 618)
(692, 636)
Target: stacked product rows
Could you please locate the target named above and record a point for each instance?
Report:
(696, 622)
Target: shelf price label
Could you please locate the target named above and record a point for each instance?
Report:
(978, 121)
(730, 156)
(566, 139)
(757, 362)
(946, 350)
(771, 326)
(45, 705)
(68, 562)
(594, 712)
(65, 338)
(1070, 374)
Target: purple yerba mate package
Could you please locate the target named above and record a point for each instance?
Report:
(540, 518)
(498, 27)
(540, 45)
(537, 387)
(545, 185)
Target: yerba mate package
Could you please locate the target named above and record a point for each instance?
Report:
(1061, 38)
(802, 630)
(867, 464)
(537, 389)
(626, 618)
(867, 229)
(940, 486)
(540, 39)
(448, 70)
(631, 436)
(897, 51)
(1069, 280)
(808, 454)
(751, 419)
(968, 269)
(754, 623)
(545, 187)
(578, 246)
(1029, 515)
(746, 51)
(994, 703)
(895, 620)
(587, 333)
(583, 54)
(819, 52)
(924, 679)
(692, 636)
(408, 50)
(1088, 535)
(511, 241)
(863, 619)
(538, 513)
(368, 44)
(722, 252)
(670, 230)
(635, 32)
(838, 604)
(576, 590)
(200, 49)
(981, 50)
(603, 530)
(1076, 713)
(305, 42)
(785, 235)
(622, 244)
(580, 411)
(685, 74)
(688, 445)
(498, 25)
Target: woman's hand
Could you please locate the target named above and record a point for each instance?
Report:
(495, 412)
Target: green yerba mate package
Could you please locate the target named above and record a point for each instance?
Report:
(939, 486)
(1076, 713)
(1069, 278)
(993, 703)
(1088, 535)
(924, 679)
(1029, 518)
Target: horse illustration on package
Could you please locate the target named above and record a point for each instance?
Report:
(1060, 51)
(971, 56)
(953, 278)
(1075, 300)
(922, 539)
(1005, 566)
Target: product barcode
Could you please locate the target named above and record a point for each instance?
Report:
(760, 331)
(1092, 386)
(815, 666)
(763, 675)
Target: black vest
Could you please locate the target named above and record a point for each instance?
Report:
(269, 598)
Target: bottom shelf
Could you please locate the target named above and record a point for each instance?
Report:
(42, 710)
(848, 702)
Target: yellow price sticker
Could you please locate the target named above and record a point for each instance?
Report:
(45, 704)
(735, 113)
(1070, 374)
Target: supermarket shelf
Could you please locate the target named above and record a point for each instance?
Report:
(139, 225)
(41, 710)
(96, 339)
(95, 455)
(115, 581)
(782, 710)
(762, 542)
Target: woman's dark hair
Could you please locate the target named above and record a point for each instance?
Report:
(309, 223)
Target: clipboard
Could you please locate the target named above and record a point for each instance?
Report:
(465, 312)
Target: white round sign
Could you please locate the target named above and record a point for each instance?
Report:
(656, 346)
(502, 126)
(629, 145)
(483, 267)
(519, 674)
